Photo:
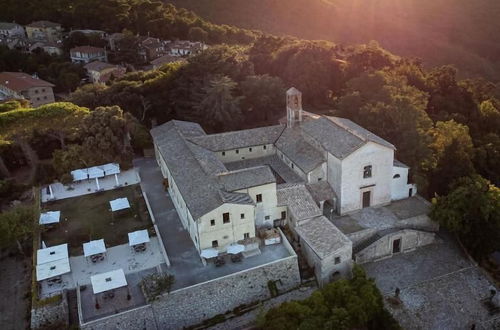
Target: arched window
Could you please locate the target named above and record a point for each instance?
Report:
(396, 176)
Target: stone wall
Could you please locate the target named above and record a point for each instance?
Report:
(194, 304)
(138, 318)
(419, 222)
(51, 314)
(382, 248)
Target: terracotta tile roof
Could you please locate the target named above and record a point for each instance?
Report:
(87, 49)
(19, 81)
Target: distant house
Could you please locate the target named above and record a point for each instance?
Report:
(19, 85)
(151, 48)
(11, 30)
(87, 54)
(155, 64)
(44, 31)
(51, 48)
(100, 72)
(15, 42)
(186, 48)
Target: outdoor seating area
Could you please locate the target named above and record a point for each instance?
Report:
(94, 250)
(57, 191)
(90, 217)
(52, 262)
(138, 239)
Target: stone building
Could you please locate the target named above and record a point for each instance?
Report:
(18, 85)
(87, 54)
(100, 72)
(10, 30)
(226, 185)
(44, 31)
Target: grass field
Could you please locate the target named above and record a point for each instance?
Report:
(89, 217)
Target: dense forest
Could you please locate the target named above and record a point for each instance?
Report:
(459, 32)
(446, 128)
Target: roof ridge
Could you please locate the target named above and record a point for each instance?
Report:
(242, 170)
(348, 129)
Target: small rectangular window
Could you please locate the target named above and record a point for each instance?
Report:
(237, 151)
(283, 215)
(246, 235)
(242, 215)
(215, 244)
(250, 149)
(367, 171)
(212, 222)
(258, 198)
(337, 260)
(225, 217)
(264, 147)
(267, 217)
(292, 165)
(223, 153)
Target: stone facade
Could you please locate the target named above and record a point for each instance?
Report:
(138, 318)
(194, 304)
(51, 314)
(384, 247)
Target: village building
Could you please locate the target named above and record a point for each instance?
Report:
(11, 30)
(185, 48)
(18, 85)
(44, 31)
(87, 54)
(226, 185)
(113, 40)
(101, 72)
(51, 48)
(151, 48)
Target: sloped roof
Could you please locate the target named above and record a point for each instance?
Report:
(299, 201)
(19, 81)
(8, 26)
(322, 236)
(321, 191)
(43, 24)
(246, 178)
(99, 66)
(240, 139)
(87, 49)
(340, 136)
(298, 150)
(199, 190)
(397, 163)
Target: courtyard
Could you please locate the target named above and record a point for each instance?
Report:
(440, 288)
(89, 217)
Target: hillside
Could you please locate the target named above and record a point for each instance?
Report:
(461, 32)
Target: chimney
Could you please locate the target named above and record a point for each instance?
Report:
(293, 107)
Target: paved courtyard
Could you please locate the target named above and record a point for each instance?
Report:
(60, 191)
(185, 261)
(439, 287)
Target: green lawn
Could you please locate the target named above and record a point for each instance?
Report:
(89, 217)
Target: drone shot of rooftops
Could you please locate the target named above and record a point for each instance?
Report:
(249, 164)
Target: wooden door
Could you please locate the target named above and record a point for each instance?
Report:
(366, 198)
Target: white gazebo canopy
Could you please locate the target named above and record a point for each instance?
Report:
(95, 172)
(50, 217)
(108, 281)
(94, 247)
(119, 204)
(111, 168)
(209, 253)
(235, 248)
(52, 269)
(138, 237)
(51, 254)
(80, 174)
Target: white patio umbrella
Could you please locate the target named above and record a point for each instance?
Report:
(209, 253)
(235, 248)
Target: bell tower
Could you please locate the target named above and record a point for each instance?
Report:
(293, 107)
